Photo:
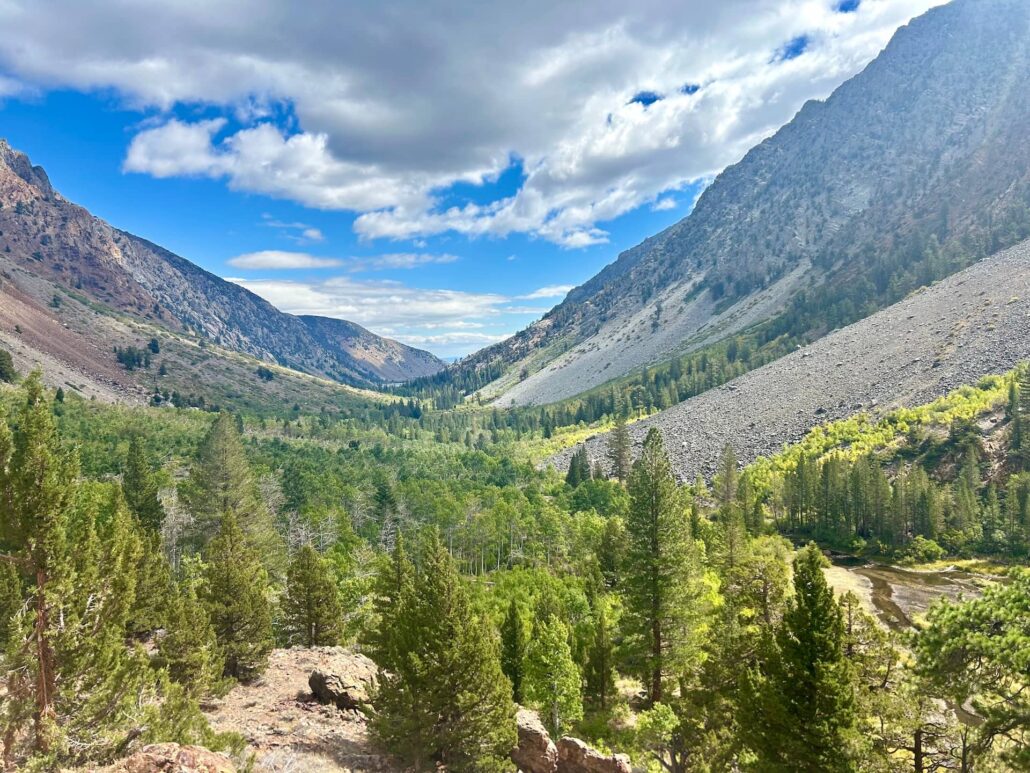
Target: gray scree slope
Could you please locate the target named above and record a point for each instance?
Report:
(972, 324)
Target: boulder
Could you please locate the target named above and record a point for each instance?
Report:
(574, 756)
(343, 679)
(536, 752)
(173, 758)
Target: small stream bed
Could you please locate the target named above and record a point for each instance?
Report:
(897, 595)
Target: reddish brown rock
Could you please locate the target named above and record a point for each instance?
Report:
(536, 753)
(574, 756)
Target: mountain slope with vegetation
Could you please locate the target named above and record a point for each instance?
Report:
(969, 325)
(46, 237)
(910, 171)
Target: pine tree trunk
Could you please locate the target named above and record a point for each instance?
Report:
(45, 677)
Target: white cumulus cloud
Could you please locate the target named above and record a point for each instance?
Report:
(379, 108)
(277, 259)
(551, 291)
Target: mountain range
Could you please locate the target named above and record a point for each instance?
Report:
(55, 257)
(911, 170)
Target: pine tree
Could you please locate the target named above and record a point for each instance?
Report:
(76, 693)
(38, 491)
(220, 484)
(442, 697)
(1021, 425)
(579, 467)
(235, 595)
(975, 653)
(189, 649)
(7, 372)
(552, 676)
(803, 716)
(11, 598)
(620, 448)
(155, 588)
(725, 485)
(663, 577)
(313, 616)
(514, 639)
(393, 592)
(600, 667)
(140, 486)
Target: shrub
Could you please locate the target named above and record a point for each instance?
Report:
(7, 371)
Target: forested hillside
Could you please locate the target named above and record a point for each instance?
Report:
(910, 171)
(151, 558)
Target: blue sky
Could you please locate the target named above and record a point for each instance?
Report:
(431, 177)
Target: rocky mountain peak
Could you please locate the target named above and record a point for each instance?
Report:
(19, 163)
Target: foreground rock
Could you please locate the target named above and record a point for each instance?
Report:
(974, 323)
(173, 758)
(345, 682)
(537, 753)
(574, 756)
(289, 729)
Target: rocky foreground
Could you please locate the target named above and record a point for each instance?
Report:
(308, 712)
(972, 324)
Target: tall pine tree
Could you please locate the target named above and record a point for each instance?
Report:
(140, 486)
(442, 697)
(77, 693)
(514, 640)
(600, 666)
(236, 599)
(663, 578)
(312, 614)
(221, 483)
(620, 448)
(803, 715)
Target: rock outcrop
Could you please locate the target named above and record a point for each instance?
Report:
(344, 682)
(173, 758)
(537, 753)
(574, 756)
(289, 730)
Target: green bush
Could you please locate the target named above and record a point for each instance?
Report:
(7, 371)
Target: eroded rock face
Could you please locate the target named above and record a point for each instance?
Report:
(574, 756)
(173, 758)
(536, 752)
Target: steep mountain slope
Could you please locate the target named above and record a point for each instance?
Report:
(385, 359)
(45, 235)
(969, 325)
(909, 170)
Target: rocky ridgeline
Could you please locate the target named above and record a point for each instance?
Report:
(972, 324)
(45, 236)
